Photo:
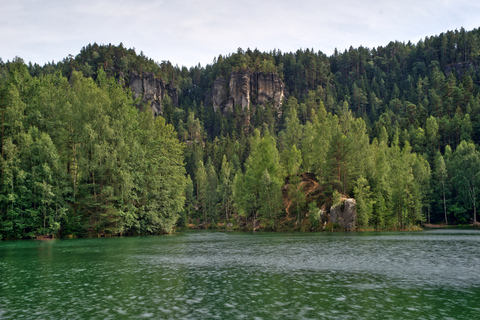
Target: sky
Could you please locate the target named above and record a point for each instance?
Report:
(188, 32)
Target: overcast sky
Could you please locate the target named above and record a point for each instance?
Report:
(188, 32)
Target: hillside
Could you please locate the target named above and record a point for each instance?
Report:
(395, 127)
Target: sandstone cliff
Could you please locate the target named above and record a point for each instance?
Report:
(245, 88)
(152, 90)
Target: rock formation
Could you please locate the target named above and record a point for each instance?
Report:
(344, 214)
(245, 88)
(313, 190)
(219, 93)
(460, 68)
(152, 90)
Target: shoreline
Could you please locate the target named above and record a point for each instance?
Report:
(426, 226)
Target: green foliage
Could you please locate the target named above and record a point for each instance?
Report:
(314, 214)
(336, 199)
(365, 202)
(239, 195)
(269, 199)
(263, 156)
(441, 183)
(202, 188)
(296, 194)
(466, 176)
(225, 187)
(77, 157)
(189, 201)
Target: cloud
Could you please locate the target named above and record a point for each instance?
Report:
(187, 32)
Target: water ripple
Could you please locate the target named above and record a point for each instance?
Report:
(212, 275)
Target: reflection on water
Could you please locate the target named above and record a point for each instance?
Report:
(212, 275)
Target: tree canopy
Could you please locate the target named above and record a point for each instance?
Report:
(397, 127)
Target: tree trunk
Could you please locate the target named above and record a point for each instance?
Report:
(445, 207)
(44, 207)
(474, 207)
(74, 169)
(472, 194)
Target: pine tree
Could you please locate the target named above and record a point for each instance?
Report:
(263, 156)
(202, 187)
(270, 199)
(225, 187)
(441, 178)
(466, 165)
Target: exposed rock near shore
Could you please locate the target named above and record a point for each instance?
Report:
(345, 214)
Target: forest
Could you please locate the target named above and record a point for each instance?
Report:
(397, 128)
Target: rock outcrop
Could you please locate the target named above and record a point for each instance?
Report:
(247, 88)
(345, 214)
(312, 189)
(460, 68)
(152, 90)
(219, 93)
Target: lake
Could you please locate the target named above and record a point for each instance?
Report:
(432, 274)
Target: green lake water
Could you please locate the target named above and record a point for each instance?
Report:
(213, 275)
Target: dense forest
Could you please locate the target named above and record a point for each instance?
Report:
(395, 127)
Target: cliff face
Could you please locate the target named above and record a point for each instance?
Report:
(152, 90)
(460, 68)
(245, 88)
(219, 93)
